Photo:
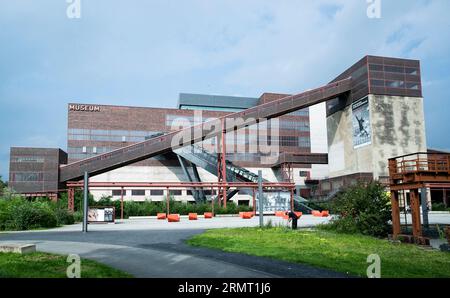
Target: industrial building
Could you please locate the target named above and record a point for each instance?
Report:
(325, 139)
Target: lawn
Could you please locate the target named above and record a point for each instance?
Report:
(339, 252)
(44, 265)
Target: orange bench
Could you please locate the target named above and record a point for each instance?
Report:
(192, 216)
(280, 213)
(247, 215)
(173, 218)
(316, 213)
(208, 215)
(325, 213)
(299, 214)
(161, 216)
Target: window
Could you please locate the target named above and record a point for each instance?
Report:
(413, 86)
(375, 67)
(377, 83)
(411, 71)
(304, 173)
(118, 192)
(243, 202)
(138, 192)
(397, 69)
(304, 142)
(304, 112)
(28, 176)
(395, 84)
(175, 192)
(156, 192)
(28, 159)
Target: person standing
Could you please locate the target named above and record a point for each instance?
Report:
(292, 217)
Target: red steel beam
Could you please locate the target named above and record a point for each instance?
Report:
(286, 185)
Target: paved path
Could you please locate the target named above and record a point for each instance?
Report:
(150, 248)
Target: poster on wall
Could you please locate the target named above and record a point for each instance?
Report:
(362, 133)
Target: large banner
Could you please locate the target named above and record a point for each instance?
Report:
(362, 133)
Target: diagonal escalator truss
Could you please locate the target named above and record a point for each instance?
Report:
(200, 157)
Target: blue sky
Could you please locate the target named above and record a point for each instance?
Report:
(145, 53)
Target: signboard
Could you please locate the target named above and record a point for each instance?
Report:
(101, 215)
(276, 201)
(84, 108)
(362, 132)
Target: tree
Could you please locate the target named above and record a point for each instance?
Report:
(363, 208)
(2, 185)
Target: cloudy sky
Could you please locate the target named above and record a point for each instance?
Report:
(145, 52)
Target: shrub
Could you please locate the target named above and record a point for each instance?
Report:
(78, 216)
(440, 207)
(31, 216)
(64, 217)
(362, 209)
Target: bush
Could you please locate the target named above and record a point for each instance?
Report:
(64, 217)
(362, 209)
(440, 207)
(18, 213)
(31, 216)
(78, 216)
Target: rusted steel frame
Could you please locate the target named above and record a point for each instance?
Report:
(286, 185)
(396, 229)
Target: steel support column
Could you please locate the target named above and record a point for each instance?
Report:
(212, 200)
(415, 213)
(121, 203)
(167, 201)
(222, 167)
(86, 202)
(396, 229)
(254, 200)
(292, 199)
(424, 203)
(445, 198)
(71, 199)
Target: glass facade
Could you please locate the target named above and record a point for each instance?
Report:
(76, 134)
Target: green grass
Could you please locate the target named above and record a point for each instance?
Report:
(339, 252)
(44, 265)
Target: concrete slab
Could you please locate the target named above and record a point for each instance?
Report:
(19, 248)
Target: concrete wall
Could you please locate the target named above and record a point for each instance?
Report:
(319, 141)
(397, 128)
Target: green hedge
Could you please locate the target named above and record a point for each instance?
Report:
(149, 208)
(17, 213)
(440, 207)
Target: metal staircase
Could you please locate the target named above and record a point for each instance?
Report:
(208, 161)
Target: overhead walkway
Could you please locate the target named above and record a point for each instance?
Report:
(169, 142)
